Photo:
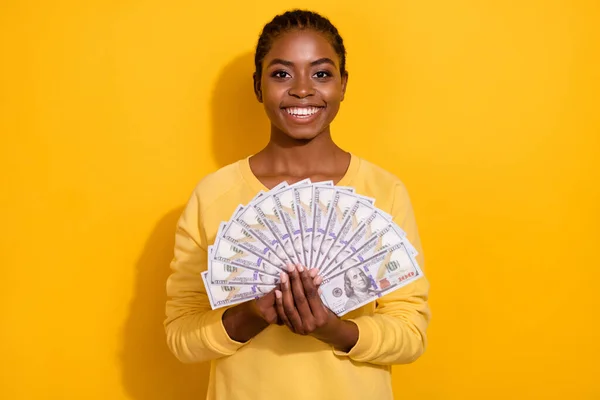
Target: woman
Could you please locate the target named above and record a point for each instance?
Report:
(287, 344)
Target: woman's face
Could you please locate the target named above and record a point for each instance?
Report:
(301, 86)
(356, 278)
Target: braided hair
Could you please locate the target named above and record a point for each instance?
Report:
(298, 20)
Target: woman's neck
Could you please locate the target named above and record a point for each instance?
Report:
(286, 157)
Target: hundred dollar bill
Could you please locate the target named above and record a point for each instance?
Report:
(227, 274)
(365, 282)
(380, 242)
(322, 201)
(249, 219)
(343, 204)
(220, 273)
(304, 205)
(352, 224)
(271, 216)
(227, 295)
(375, 223)
(285, 201)
(322, 197)
(230, 253)
(235, 233)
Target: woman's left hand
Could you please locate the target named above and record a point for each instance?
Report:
(299, 306)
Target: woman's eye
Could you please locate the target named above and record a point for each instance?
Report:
(280, 74)
(322, 74)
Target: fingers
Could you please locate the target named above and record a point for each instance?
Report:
(279, 308)
(298, 274)
(311, 290)
(289, 308)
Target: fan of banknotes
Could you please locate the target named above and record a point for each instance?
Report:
(359, 251)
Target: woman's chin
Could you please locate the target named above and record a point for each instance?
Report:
(303, 134)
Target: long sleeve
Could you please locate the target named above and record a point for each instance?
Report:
(396, 333)
(195, 333)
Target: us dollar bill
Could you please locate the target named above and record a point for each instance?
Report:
(322, 207)
(227, 274)
(351, 225)
(272, 218)
(380, 242)
(343, 204)
(321, 203)
(375, 223)
(235, 233)
(230, 253)
(227, 295)
(365, 282)
(304, 197)
(285, 202)
(249, 219)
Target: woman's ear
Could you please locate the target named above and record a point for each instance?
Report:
(257, 89)
(344, 83)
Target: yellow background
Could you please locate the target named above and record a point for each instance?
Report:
(111, 111)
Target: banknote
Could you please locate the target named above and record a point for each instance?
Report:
(342, 205)
(285, 203)
(322, 197)
(322, 201)
(304, 204)
(227, 295)
(220, 273)
(375, 223)
(270, 215)
(380, 242)
(350, 226)
(235, 233)
(230, 253)
(365, 282)
(249, 219)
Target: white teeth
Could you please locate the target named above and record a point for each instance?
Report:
(302, 111)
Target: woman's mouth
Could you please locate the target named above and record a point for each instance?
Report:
(302, 114)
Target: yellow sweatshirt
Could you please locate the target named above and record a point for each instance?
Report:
(278, 364)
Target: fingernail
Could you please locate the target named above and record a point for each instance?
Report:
(283, 277)
(300, 268)
(277, 294)
(291, 267)
(318, 280)
(313, 272)
(320, 291)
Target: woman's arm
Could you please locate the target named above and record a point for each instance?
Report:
(396, 333)
(195, 332)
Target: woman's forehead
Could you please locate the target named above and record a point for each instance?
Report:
(301, 46)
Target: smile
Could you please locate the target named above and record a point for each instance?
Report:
(302, 112)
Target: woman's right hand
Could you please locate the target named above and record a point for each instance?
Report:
(246, 320)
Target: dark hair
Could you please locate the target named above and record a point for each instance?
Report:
(298, 19)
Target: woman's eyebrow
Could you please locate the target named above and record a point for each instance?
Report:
(287, 63)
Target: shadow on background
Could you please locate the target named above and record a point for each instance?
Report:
(239, 124)
(149, 370)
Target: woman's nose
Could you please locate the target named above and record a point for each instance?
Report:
(301, 87)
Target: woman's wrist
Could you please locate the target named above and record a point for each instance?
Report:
(243, 322)
(340, 334)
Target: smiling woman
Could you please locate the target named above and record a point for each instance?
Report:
(302, 85)
(301, 80)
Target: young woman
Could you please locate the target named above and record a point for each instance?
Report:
(287, 344)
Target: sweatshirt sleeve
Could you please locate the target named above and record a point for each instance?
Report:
(195, 332)
(396, 333)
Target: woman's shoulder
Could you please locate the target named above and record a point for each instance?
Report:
(372, 171)
(215, 184)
